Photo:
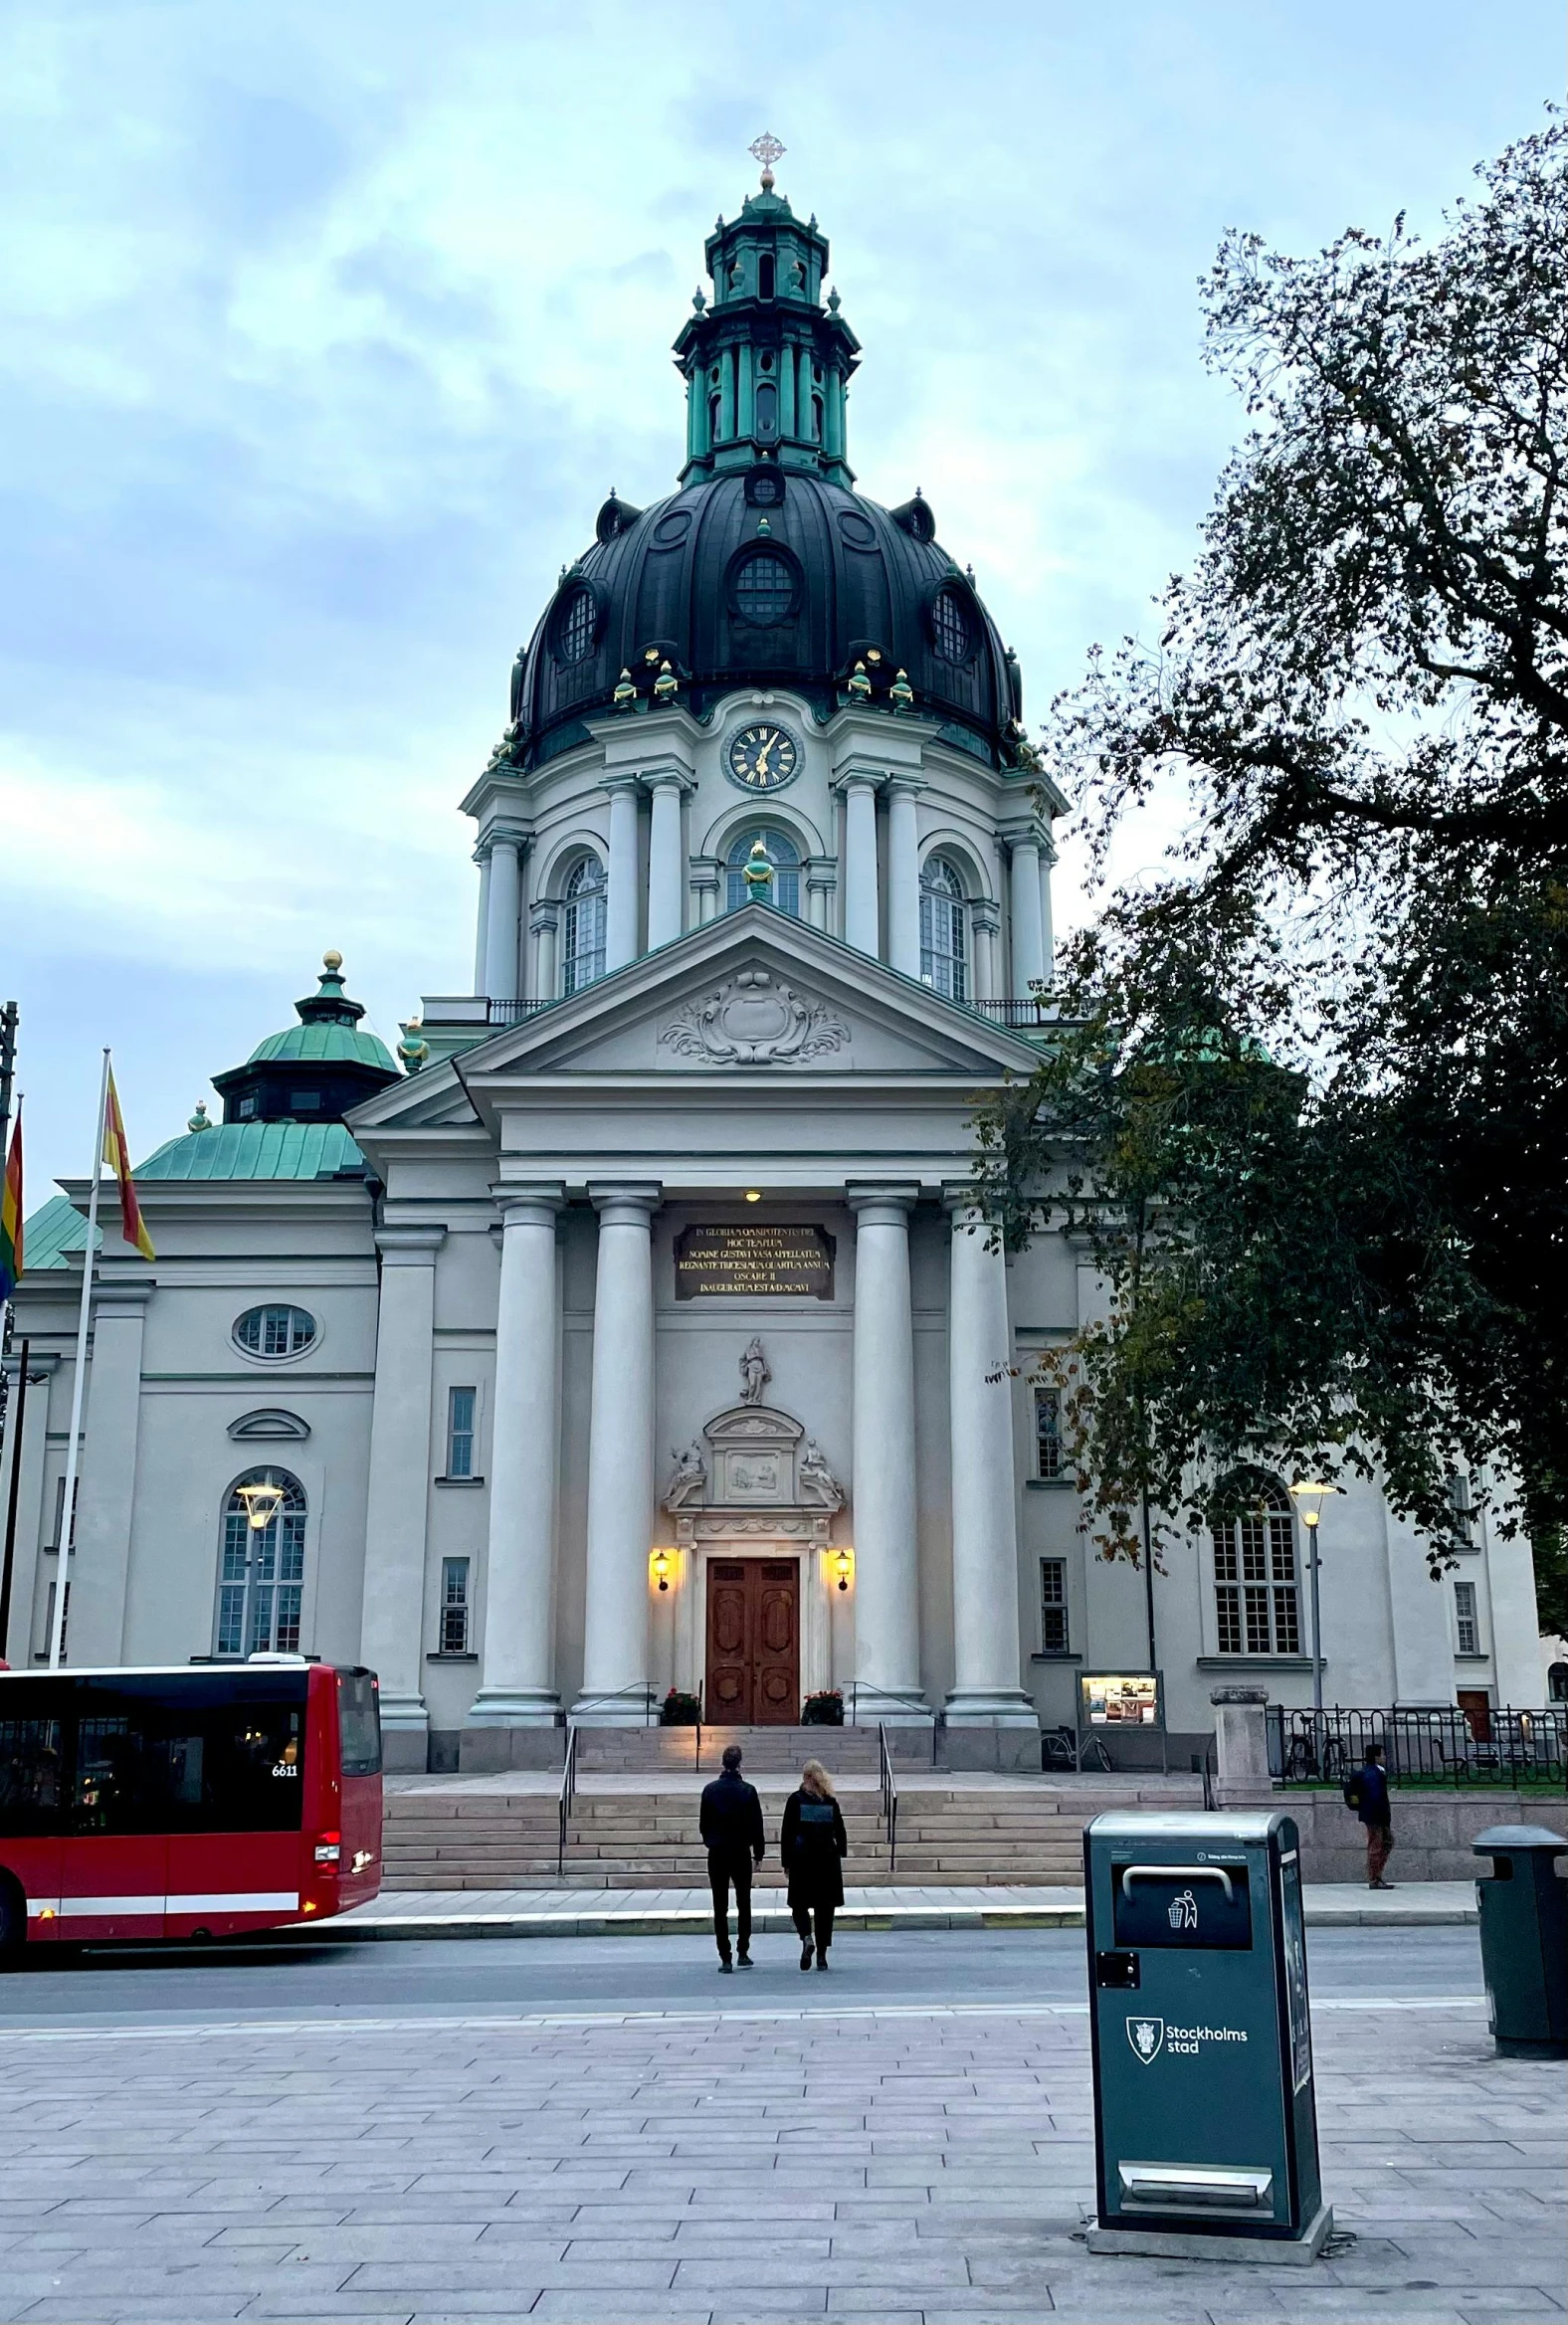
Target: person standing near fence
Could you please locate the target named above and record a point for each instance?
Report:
(1367, 1793)
(733, 1834)
(812, 1844)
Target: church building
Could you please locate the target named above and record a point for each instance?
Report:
(633, 1329)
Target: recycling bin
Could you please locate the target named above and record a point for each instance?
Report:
(1205, 2114)
(1524, 1940)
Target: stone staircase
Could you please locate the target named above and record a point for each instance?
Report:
(638, 1829)
(770, 1751)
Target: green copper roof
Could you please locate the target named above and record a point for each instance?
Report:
(257, 1150)
(234, 1150)
(324, 1045)
(53, 1231)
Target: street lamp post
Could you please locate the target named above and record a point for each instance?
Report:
(1309, 1494)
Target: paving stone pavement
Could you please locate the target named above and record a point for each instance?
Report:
(888, 2166)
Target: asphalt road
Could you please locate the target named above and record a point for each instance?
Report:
(442, 1978)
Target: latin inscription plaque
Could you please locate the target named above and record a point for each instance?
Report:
(735, 1262)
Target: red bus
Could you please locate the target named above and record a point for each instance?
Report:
(187, 1803)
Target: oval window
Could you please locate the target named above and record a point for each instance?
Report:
(764, 590)
(575, 625)
(950, 625)
(672, 529)
(858, 531)
(274, 1332)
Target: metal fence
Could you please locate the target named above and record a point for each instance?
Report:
(1448, 1746)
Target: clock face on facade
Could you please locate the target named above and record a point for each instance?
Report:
(763, 758)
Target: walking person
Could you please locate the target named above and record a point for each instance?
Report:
(733, 1834)
(1367, 1793)
(813, 1846)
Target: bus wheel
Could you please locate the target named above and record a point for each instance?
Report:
(13, 1921)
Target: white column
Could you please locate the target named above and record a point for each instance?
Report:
(392, 1630)
(481, 930)
(620, 1461)
(887, 1569)
(25, 1451)
(99, 1569)
(516, 1674)
(903, 876)
(983, 923)
(987, 1662)
(503, 904)
(620, 938)
(545, 918)
(1047, 942)
(861, 917)
(666, 901)
(1029, 956)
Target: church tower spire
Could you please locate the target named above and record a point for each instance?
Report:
(766, 364)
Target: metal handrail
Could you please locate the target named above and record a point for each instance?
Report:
(568, 1795)
(890, 1797)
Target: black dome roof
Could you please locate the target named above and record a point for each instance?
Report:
(765, 576)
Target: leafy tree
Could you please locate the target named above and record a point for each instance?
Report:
(1309, 1099)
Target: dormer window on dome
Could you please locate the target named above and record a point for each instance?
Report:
(951, 633)
(762, 589)
(575, 623)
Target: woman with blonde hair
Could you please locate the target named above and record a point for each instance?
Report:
(813, 1846)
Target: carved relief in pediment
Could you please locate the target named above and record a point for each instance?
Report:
(752, 1020)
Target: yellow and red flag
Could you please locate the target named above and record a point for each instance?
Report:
(11, 1262)
(116, 1153)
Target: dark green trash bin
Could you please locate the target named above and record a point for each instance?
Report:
(1205, 2126)
(1524, 1939)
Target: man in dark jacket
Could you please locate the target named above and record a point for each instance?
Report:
(1367, 1793)
(733, 1834)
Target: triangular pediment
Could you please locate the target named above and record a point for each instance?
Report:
(752, 994)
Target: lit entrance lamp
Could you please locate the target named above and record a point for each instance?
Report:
(844, 1567)
(261, 1503)
(658, 1568)
(1309, 1494)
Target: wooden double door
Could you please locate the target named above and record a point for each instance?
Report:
(753, 1642)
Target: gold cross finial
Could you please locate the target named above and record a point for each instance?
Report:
(767, 150)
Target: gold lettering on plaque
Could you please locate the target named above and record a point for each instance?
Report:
(753, 1261)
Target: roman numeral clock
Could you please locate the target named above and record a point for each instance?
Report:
(763, 758)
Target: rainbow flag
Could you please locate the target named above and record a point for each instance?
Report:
(11, 1262)
(116, 1153)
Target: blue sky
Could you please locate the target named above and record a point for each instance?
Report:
(327, 328)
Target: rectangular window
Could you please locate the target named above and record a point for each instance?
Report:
(1466, 1618)
(454, 1606)
(60, 1513)
(1462, 1498)
(1048, 1433)
(1255, 1587)
(460, 1431)
(1052, 1606)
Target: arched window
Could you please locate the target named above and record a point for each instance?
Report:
(1255, 1579)
(582, 947)
(944, 947)
(1557, 1683)
(261, 1569)
(786, 867)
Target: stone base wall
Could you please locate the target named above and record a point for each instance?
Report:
(1433, 1831)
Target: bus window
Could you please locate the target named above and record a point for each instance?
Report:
(30, 1764)
(253, 1767)
(116, 1786)
(359, 1723)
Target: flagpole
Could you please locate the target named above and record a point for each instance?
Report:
(57, 1639)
